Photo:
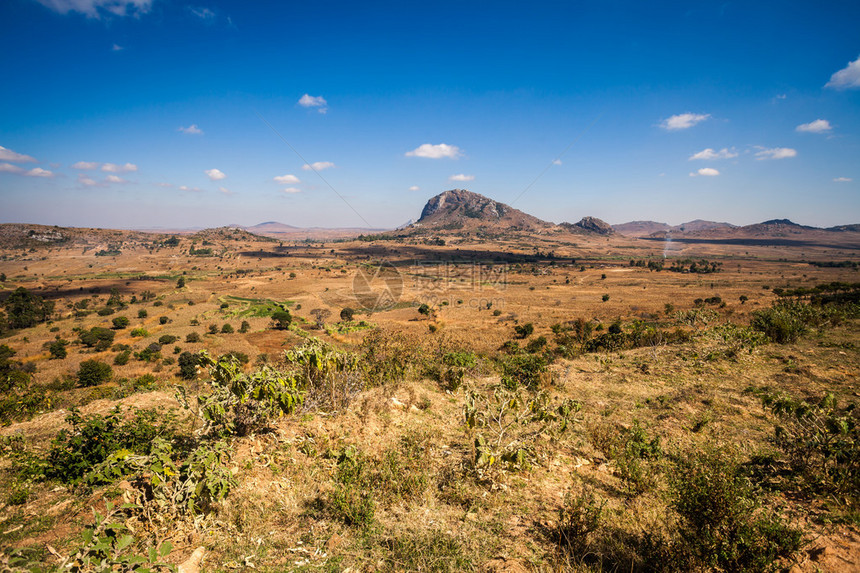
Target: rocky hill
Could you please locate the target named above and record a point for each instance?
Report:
(590, 225)
(460, 210)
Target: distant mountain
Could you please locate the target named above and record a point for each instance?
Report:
(271, 227)
(700, 225)
(461, 210)
(590, 225)
(845, 228)
(645, 228)
(640, 228)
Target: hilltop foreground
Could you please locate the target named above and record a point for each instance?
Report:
(507, 395)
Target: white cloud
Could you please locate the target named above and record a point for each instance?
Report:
(165, 184)
(9, 168)
(318, 166)
(35, 172)
(187, 188)
(225, 191)
(318, 102)
(556, 161)
(39, 172)
(114, 168)
(292, 190)
(706, 172)
(843, 180)
(846, 78)
(439, 151)
(115, 179)
(461, 177)
(781, 96)
(415, 188)
(96, 8)
(708, 154)
(817, 126)
(775, 153)
(191, 129)
(9, 155)
(215, 174)
(86, 165)
(203, 13)
(287, 179)
(117, 48)
(683, 121)
(88, 181)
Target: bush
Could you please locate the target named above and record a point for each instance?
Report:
(163, 320)
(281, 319)
(167, 339)
(122, 358)
(523, 370)
(226, 328)
(723, 524)
(58, 349)
(821, 440)
(192, 337)
(93, 373)
(120, 322)
(783, 323)
(142, 313)
(188, 363)
(525, 330)
(604, 298)
(241, 403)
(346, 314)
(139, 332)
(75, 452)
(246, 326)
(97, 337)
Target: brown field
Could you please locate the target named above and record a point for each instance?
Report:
(440, 510)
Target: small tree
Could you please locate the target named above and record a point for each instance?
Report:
(424, 309)
(142, 313)
(347, 314)
(180, 283)
(246, 326)
(93, 373)
(188, 365)
(320, 314)
(226, 328)
(120, 322)
(604, 298)
(281, 319)
(58, 349)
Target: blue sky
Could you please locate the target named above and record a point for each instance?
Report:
(149, 113)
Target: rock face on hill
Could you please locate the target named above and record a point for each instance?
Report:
(459, 209)
(590, 225)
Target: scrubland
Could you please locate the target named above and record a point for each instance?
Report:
(504, 404)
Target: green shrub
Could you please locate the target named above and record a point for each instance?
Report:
(58, 349)
(188, 363)
(167, 339)
(722, 521)
(142, 313)
(75, 452)
(163, 320)
(120, 322)
(97, 337)
(241, 403)
(525, 330)
(226, 328)
(822, 442)
(139, 332)
(93, 373)
(524, 370)
(192, 337)
(783, 323)
(122, 358)
(246, 326)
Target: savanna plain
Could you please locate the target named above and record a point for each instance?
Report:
(222, 401)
